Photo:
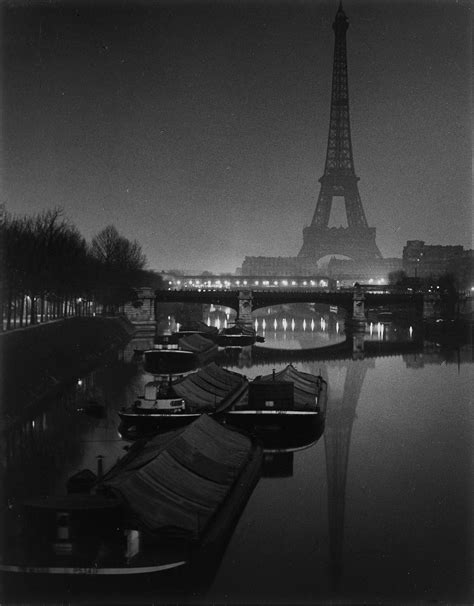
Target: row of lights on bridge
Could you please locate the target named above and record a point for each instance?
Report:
(227, 283)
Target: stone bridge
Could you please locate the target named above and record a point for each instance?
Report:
(245, 301)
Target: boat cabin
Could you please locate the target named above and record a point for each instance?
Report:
(274, 395)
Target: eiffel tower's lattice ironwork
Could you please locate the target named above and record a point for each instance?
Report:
(337, 438)
(357, 240)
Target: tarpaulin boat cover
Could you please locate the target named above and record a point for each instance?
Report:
(306, 386)
(176, 482)
(207, 388)
(197, 343)
(198, 326)
(238, 329)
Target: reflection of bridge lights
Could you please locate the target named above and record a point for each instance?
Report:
(275, 324)
(275, 282)
(266, 282)
(312, 324)
(263, 323)
(293, 283)
(323, 324)
(304, 324)
(284, 282)
(218, 323)
(225, 323)
(305, 283)
(208, 320)
(371, 329)
(256, 282)
(337, 327)
(293, 324)
(256, 324)
(312, 282)
(33, 424)
(410, 331)
(238, 282)
(245, 282)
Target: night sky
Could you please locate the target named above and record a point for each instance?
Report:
(200, 128)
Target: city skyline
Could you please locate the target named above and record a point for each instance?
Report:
(200, 129)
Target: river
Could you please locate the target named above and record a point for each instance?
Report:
(379, 509)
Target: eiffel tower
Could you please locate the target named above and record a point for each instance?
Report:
(337, 438)
(357, 240)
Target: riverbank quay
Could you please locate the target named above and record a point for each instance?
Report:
(36, 362)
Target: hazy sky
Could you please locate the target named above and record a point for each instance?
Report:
(200, 128)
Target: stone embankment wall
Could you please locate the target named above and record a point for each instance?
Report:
(35, 362)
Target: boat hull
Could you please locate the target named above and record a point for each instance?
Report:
(235, 340)
(140, 425)
(169, 361)
(279, 429)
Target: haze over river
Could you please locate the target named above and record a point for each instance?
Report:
(378, 509)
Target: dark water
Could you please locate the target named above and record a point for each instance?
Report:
(379, 509)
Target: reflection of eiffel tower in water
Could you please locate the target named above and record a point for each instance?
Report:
(337, 437)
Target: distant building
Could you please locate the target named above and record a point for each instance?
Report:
(422, 260)
(371, 270)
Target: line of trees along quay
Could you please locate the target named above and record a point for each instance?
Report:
(49, 271)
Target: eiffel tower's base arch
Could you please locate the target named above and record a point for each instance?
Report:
(358, 243)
